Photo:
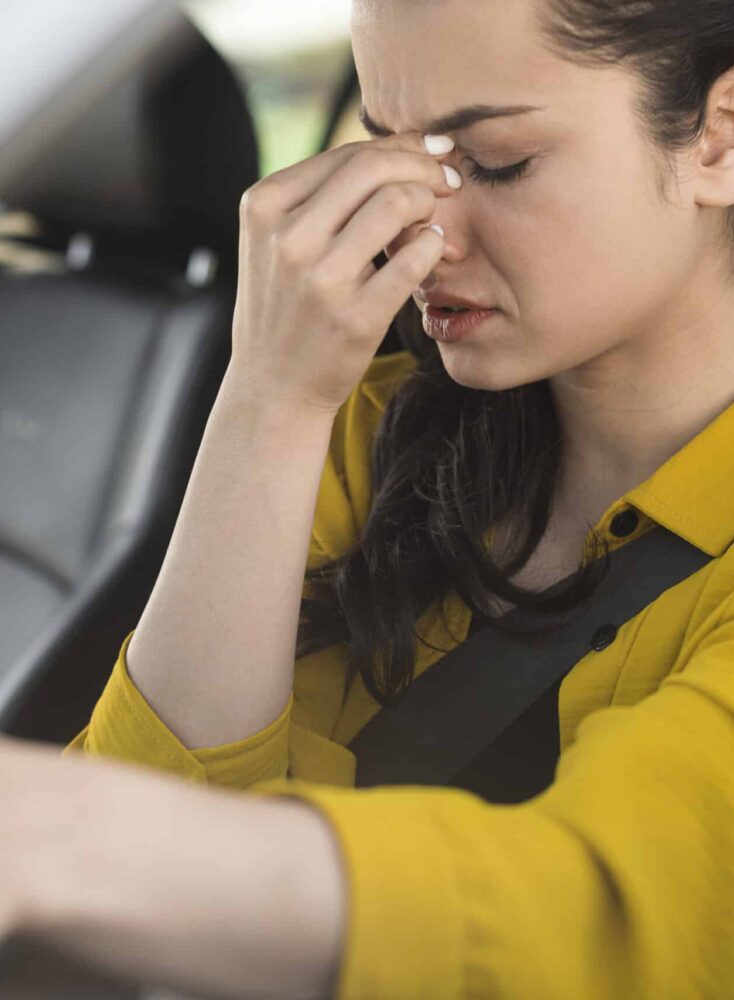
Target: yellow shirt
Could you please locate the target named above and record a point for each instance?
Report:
(618, 880)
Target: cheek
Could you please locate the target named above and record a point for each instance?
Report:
(583, 242)
(583, 266)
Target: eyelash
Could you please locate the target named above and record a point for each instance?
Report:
(503, 175)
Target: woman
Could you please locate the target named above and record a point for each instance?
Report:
(592, 211)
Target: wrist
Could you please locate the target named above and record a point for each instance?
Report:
(274, 406)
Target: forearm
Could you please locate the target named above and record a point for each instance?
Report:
(213, 652)
(208, 891)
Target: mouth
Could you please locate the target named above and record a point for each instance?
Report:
(456, 322)
(443, 305)
(445, 312)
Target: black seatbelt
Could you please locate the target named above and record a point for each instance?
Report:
(462, 703)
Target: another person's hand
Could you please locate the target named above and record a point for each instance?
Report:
(312, 308)
(166, 882)
(56, 824)
(30, 826)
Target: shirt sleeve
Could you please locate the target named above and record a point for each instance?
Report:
(617, 881)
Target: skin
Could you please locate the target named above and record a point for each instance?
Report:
(611, 286)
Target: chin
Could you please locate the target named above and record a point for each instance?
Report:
(485, 374)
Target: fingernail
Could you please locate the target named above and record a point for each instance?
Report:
(438, 144)
(453, 177)
(439, 229)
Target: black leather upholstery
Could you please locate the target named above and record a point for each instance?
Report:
(108, 374)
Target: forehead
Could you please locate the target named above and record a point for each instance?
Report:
(418, 58)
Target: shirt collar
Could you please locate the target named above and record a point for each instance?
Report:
(692, 493)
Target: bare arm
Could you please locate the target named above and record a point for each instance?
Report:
(213, 652)
(149, 877)
(214, 649)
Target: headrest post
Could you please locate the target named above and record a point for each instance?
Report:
(202, 266)
(80, 252)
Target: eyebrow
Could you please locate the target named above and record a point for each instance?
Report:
(453, 122)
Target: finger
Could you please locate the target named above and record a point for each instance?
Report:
(328, 212)
(392, 209)
(293, 186)
(384, 294)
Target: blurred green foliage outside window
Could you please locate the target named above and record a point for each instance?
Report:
(292, 57)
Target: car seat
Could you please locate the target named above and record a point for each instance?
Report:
(115, 332)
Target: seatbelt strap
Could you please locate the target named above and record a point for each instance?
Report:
(463, 702)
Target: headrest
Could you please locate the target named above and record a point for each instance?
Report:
(160, 156)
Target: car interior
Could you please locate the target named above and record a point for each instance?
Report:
(116, 297)
(118, 276)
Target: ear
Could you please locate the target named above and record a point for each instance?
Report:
(715, 184)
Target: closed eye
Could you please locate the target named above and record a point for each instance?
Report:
(498, 175)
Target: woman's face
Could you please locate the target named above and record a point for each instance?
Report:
(583, 254)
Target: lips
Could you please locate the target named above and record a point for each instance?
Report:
(445, 300)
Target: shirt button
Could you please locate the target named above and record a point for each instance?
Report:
(603, 637)
(625, 523)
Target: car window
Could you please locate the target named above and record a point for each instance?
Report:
(293, 56)
(293, 60)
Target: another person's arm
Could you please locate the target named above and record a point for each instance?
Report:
(167, 883)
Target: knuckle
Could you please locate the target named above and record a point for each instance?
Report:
(371, 159)
(355, 323)
(410, 200)
(246, 203)
(320, 284)
(398, 198)
(288, 247)
(254, 203)
(263, 197)
(423, 196)
(409, 266)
